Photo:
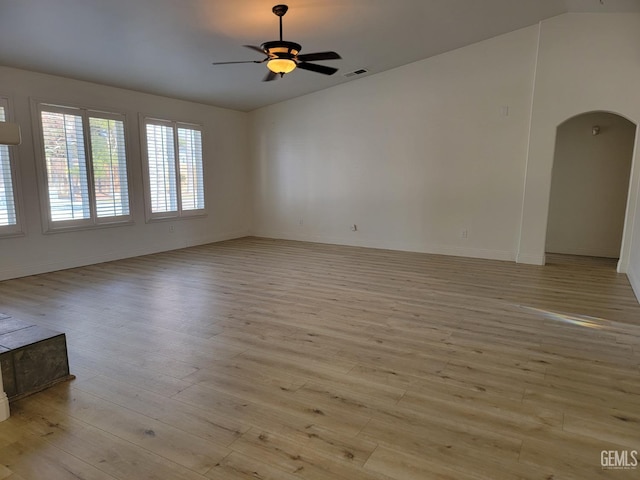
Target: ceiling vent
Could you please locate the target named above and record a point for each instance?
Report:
(360, 71)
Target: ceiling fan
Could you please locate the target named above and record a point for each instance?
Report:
(283, 57)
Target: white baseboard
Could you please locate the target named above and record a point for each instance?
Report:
(393, 245)
(531, 258)
(585, 252)
(17, 271)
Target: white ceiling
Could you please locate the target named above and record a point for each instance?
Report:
(167, 46)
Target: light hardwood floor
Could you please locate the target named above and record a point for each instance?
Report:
(265, 359)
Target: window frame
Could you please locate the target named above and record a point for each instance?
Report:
(180, 213)
(14, 172)
(85, 112)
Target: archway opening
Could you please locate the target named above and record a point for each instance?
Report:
(590, 185)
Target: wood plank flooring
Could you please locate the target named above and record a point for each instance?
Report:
(269, 359)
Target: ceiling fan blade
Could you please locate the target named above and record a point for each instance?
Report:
(317, 68)
(270, 76)
(257, 49)
(243, 61)
(312, 57)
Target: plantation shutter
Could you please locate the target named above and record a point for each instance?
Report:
(191, 175)
(66, 165)
(7, 198)
(108, 159)
(162, 168)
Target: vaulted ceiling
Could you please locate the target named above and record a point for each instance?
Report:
(167, 46)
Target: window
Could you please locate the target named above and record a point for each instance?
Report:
(174, 169)
(9, 221)
(86, 167)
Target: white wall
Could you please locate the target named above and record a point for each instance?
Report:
(589, 185)
(586, 62)
(226, 183)
(413, 156)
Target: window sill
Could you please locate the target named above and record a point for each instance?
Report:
(12, 234)
(75, 228)
(155, 218)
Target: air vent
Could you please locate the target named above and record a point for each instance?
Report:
(360, 71)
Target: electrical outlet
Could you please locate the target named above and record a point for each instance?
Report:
(464, 233)
(172, 228)
(301, 222)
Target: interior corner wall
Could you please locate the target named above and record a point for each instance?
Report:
(427, 157)
(226, 167)
(586, 62)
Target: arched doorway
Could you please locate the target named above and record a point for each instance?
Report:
(590, 185)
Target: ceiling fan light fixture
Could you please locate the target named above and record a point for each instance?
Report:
(281, 65)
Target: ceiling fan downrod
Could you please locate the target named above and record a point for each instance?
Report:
(280, 10)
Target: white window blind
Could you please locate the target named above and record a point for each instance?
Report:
(162, 168)
(66, 163)
(86, 166)
(109, 162)
(8, 211)
(169, 197)
(191, 177)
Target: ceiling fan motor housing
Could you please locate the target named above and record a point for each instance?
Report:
(281, 49)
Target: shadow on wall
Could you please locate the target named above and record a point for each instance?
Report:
(590, 185)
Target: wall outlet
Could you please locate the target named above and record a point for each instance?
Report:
(301, 222)
(172, 228)
(354, 228)
(464, 233)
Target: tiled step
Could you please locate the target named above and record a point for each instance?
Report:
(32, 357)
